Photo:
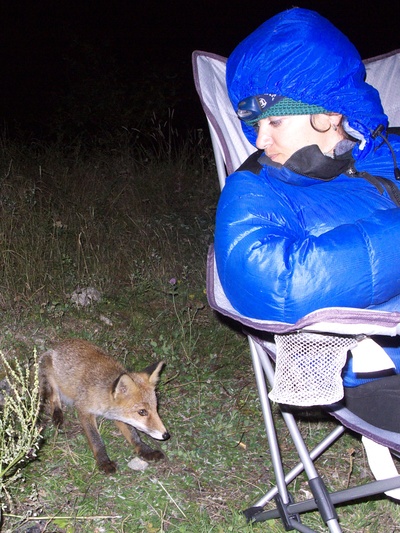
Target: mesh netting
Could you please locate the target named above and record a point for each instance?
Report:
(308, 368)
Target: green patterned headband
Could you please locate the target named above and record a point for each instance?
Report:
(255, 108)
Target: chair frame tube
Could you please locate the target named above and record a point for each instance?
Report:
(286, 509)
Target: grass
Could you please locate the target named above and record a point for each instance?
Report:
(134, 221)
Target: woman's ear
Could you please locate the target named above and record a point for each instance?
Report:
(335, 120)
(323, 122)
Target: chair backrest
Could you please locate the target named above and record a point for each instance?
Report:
(230, 145)
(383, 72)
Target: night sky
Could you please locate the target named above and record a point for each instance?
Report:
(58, 55)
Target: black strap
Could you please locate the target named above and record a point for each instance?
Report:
(379, 182)
(390, 187)
(394, 129)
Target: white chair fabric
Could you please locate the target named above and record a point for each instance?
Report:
(383, 73)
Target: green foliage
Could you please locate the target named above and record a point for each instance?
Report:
(20, 433)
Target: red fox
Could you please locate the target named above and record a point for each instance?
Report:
(78, 373)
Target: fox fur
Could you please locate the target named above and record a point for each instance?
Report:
(78, 373)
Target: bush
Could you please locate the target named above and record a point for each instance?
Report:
(19, 430)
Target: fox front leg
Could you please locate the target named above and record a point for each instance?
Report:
(132, 436)
(49, 388)
(96, 443)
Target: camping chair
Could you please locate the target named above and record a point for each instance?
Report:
(327, 333)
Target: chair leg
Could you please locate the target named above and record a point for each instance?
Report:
(269, 422)
(299, 468)
(263, 368)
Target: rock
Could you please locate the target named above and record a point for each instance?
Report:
(86, 296)
(138, 464)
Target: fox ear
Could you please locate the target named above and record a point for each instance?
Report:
(121, 385)
(154, 372)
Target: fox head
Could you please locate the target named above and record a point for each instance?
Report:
(134, 401)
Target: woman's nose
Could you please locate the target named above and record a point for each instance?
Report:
(263, 138)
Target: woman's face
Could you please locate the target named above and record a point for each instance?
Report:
(281, 137)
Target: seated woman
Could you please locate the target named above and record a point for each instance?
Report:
(313, 220)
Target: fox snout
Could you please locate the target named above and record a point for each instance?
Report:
(165, 436)
(158, 433)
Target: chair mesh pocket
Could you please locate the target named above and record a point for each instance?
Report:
(308, 368)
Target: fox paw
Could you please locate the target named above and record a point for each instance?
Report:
(108, 467)
(152, 455)
(58, 417)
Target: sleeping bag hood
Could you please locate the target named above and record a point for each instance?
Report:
(301, 55)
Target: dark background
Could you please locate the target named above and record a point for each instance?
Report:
(86, 65)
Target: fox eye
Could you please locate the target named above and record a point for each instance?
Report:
(142, 412)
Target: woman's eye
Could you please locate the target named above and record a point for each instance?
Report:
(275, 123)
